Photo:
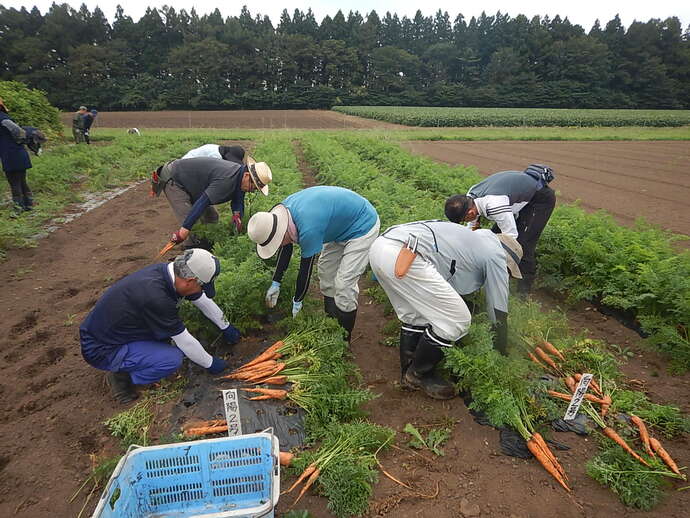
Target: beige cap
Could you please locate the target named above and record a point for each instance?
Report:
(260, 174)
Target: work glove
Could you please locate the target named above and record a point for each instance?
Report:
(231, 334)
(237, 221)
(218, 365)
(272, 294)
(296, 307)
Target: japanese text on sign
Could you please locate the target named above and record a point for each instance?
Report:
(577, 398)
(232, 412)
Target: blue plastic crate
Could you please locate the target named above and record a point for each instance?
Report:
(214, 478)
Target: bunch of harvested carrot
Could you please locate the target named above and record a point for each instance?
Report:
(267, 393)
(206, 428)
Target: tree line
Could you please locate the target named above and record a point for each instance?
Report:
(172, 59)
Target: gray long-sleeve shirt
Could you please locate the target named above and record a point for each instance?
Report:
(467, 259)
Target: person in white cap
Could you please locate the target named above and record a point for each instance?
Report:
(335, 222)
(424, 267)
(192, 185)
(127, 332)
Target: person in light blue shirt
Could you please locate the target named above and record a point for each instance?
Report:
(339, 224)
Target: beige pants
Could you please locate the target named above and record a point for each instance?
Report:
(423, 296)
(181, 204)
(340, 265)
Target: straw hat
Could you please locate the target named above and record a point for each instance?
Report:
(260, 174)
(513, 252)
(267, 230)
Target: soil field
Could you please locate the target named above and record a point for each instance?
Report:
(240, 119)
(628, 179)
(53, 404)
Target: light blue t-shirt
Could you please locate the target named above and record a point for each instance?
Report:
(325, 214)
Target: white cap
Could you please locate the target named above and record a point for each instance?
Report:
(199, 264)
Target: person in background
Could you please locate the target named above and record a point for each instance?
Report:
(335, 222)
(127, 332)
(78, 125)
(231, 154)
(520, 204)
(87, 121)
(192, 185)
(15, 161)
(425, 267)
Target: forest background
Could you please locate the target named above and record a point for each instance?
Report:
(172, 59)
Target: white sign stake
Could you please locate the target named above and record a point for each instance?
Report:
(577, 398)
(232, 412)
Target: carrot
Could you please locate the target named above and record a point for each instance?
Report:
(545, 448)
(310, 469)
(266, 355)
(274, 393)
(592, 384)
(309, 483)
(545, 461)
(535, 360)
(205, 430)
(570, 383)
(545, 357)
(260, 398)
(568, 397)
(606, 405)
(663, 455)
(285, 458)
(644, 434)
(550, 348)
(274, 380)
(255, 375)
(611, 434)
(256, 367)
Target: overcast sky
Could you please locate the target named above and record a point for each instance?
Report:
(581, 12)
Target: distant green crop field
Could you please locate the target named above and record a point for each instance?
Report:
(456, 117)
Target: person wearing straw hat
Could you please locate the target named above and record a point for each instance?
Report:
(519, 203)
(333, 221)
(231, 154)
(425, 267)
(193, 185)
(127, 332)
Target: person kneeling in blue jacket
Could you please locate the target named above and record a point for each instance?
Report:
(128, 331)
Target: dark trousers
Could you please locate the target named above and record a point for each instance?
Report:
(18, 186)
(530, 224)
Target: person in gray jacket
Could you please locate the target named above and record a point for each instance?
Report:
(519, 203)
(449, 261)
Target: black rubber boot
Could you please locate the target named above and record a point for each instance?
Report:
(346, 319)
(421, 374)
(329, 307)
(409, 338)
(28, 203)
(17, 207)
(122, 387)
(524, 286)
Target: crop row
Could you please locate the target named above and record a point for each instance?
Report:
(457, 117)
(586, 256)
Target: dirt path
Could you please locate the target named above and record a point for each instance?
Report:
(53, 403)
(628, 179)
(235, 119)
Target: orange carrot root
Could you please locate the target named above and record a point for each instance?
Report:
(664, 455)
(546, 358)
(545, 448)
(285, 458)
(266, 355)
(644, 434)
(568, 397)
(611, 434)
(273, 380)
(570, 383)
(274, 393)
(309, 483)
(550, 348)
(605, 405)
(592, 384)
(535, 360)
(545, 461)
(308, 471)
